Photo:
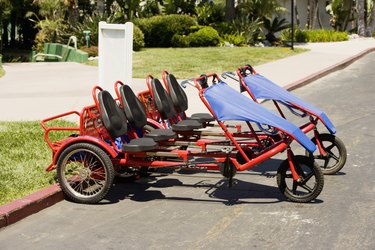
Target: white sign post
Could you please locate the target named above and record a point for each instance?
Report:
(115, 54)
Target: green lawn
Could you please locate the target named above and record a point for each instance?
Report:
(191, 62)
(2, 72)
(23, 158)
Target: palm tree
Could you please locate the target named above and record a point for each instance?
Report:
(5, 8)
(372, 18)
(361, 22)
(229, 10)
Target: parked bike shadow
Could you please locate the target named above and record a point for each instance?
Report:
(216, 189)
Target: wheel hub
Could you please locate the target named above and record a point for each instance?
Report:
(84, 173)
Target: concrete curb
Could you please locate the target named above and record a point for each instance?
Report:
(33, 203)
(326, 71)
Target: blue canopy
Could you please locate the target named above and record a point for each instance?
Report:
(228, 104)
(263, 88)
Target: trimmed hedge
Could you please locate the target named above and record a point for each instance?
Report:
(313, 36)
(138, 39)
(159, 30)
(207, 36)
(203, 37)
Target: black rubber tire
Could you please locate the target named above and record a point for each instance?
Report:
(85, 173)
(336, 151)
(312, 179)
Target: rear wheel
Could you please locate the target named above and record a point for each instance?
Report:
(85, 173)
(335, 159)
(310, 185)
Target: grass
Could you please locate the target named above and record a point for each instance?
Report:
(191, 62)
(23, 158)
(2, 72)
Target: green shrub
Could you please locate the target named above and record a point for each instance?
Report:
(207, 36)
(326, 36)
(210, 13)
(138, 39)
(315, 36)
(237, 40)
(180, 41)
(159, 30)
(223, 28)
(300, 36)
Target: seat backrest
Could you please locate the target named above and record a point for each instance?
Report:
(133, 108)
(113, 118)
(177, 94)
(162, 100)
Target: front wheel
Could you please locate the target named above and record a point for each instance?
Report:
(311, 179)
(85, 173)
(335, 159)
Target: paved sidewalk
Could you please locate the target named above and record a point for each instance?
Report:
(34, 91)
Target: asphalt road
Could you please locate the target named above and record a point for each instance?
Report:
(199, 211)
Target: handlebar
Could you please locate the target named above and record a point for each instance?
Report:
(200, 82)
(231, 75)
(187, 82)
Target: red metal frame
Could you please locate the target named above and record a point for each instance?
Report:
(92, 131)
(305, 128)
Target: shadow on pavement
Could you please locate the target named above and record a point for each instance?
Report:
(242, 192)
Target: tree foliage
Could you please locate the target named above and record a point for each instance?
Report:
(24, 23)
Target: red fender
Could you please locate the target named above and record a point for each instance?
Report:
(79, 139)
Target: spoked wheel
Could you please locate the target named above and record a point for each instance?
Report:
(311, 184)
(85, 173)
(335, 159)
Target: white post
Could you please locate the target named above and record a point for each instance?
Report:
(115, 54)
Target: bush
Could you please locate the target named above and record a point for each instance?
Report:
(138, 39)
(159, 30)
(207, 36)
(237, 40)
(223, 28)
(312, 36)
(301, 36)
(180, 41)
(210, 13)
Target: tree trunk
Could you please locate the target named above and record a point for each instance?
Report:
(72, 12)
(1, 37)
(100, 6)
(298, 21)
(319, 19)
(13, 24)
(361, 23)
(229, 10)
(372, 19)
(348, 6)
(5, 35)
(308, 15)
